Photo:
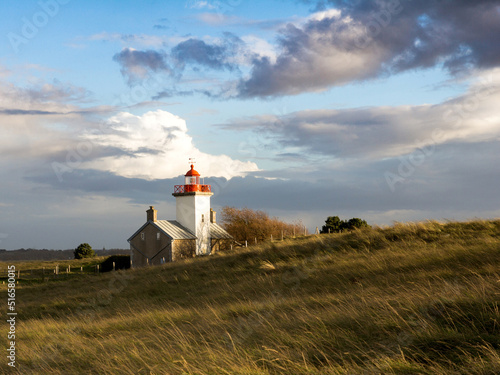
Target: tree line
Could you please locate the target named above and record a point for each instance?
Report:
(333, 224)
(245, 224)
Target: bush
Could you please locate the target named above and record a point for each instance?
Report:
(121, 262)
(246, 224)
(333, 224)
(84, 251)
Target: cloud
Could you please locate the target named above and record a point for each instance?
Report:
(366, 39)
(213, 56)
(223, 54)
(380, 132)
(218, 19)
(198, 4)
(137, 65)
(138, 40)
(156, 145)
(17, 112)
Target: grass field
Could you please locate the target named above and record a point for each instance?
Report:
(410, 299)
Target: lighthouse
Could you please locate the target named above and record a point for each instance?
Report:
(193, 209)
(193, 232)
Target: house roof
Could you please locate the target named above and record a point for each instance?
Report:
(216, 231)
(169, 227)
(176, 231)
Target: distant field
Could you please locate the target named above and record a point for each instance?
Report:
(33, 254)
(411, 299)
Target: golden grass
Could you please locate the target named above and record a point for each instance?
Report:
(417, 298)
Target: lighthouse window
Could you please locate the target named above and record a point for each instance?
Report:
(158, 236)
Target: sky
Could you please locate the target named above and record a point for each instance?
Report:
(385, 110)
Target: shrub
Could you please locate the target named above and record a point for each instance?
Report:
(121, 262)
(333, 224)
(246, 224)
(84, 251)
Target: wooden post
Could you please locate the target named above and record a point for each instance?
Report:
(271, 238)
(282, 235)
(43, 271)
(256, 240)
(293, 232)
(18, 274)
(81, 269)
(69, 268)
(246, 243)
(97, 268)
(114, 266)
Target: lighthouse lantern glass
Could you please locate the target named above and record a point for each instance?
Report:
(192, 180)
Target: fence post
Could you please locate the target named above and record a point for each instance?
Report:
(246, 243)
(282, 235)
(114, 266)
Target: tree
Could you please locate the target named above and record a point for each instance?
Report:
(355, 223)
(84, 251)
(246, 224)
(333, 224)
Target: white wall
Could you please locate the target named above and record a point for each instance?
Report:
(189, 211)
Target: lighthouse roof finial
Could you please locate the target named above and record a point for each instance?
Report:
(192, 172)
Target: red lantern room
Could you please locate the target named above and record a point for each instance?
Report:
(192, 177)
(192, 183)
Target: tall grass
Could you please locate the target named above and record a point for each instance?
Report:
(418, 298)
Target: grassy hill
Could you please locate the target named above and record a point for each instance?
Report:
(410, 299)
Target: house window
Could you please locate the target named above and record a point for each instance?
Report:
(142, 236)
(158, 236)
(202, 218)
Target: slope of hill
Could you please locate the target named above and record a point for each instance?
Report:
(410, 299)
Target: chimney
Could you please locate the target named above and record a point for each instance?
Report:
(151, 214)
(212, 216)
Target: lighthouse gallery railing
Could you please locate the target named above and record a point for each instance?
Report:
(192, 188)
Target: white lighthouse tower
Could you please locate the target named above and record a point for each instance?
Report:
(193, 209)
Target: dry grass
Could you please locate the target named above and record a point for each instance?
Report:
(411, 299)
